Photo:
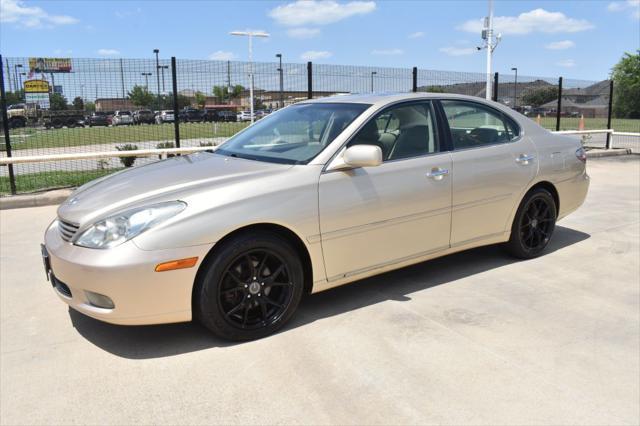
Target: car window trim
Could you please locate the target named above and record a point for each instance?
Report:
(501, 114)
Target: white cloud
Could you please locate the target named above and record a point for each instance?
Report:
(537, 20)
(417, 34)
(17, 12)
(108, 52)
(303, 32)
(312, 12)
(458, 51)
(566, 63)
(387, 52)
(560, 45)
(312, 55)
(221, 55)
(623, 6)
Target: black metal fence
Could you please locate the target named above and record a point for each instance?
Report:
(132, 104)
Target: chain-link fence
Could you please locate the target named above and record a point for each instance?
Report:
(106, 105)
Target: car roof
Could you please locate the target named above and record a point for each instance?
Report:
(385, 98)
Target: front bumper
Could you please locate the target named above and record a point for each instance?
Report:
(126, 274)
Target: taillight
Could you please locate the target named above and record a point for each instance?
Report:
(581, 154)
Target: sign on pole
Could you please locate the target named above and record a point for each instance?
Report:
(37, 92)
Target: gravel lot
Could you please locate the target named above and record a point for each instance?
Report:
(472, 338)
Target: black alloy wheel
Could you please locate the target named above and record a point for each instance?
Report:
(249, 286)
(533, 225)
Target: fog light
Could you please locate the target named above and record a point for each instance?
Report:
(99, 300)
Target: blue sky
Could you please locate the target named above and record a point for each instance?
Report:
(578, 39)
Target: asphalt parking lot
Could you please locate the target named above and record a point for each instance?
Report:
(472, 338)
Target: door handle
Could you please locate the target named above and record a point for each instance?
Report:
(437, 173)
(525, 159)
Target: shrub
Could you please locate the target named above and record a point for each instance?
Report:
(127, 161)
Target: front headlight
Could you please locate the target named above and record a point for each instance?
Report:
(117, 229)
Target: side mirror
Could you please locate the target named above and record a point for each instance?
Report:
(358, 156)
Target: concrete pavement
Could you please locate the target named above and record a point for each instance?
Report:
(472, 338)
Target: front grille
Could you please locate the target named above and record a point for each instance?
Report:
(67, 229)
(61, 287)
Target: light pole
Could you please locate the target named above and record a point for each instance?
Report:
(372, 74)
(15, 73)
(146, 79)
(515, 87)
(251, 35)
(20, 79)
(279, 56)
(490, 43)
(162, 68)
(157, 51)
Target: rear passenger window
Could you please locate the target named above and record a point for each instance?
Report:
(475, 125)
(403, 131)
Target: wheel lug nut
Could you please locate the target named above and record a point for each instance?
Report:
(258, 294)
(245, 286)
(261, 283)
(254, 278)
(249, 297)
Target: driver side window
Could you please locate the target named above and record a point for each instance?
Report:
(402, 131)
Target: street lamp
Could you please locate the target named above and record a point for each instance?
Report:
(15, 73)
(279, 56)
(251, 35)
(156, 51)
(372, 74)
(162, 68)
(146, 79)
(20, 78)
(515, 87)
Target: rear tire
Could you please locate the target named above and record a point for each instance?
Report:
(250, 287)
(533, 224)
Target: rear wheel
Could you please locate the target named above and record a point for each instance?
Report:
(533, 225)
(250, 288)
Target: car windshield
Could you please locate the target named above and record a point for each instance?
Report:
(295, 134)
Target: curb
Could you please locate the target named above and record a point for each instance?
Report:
(48, 198)
(600, 153)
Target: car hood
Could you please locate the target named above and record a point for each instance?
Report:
(172, 179)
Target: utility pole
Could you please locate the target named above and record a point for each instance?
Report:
(279, 56)
(491, 42)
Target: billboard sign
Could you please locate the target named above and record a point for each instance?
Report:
(37, 92)
(49, 65)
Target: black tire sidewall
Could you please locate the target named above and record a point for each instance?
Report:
(515, 244)
(206, 301)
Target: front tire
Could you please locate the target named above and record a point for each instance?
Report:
(250, 287)
(533, 224)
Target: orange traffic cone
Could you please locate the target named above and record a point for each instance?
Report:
(581, 123)
(538, 119)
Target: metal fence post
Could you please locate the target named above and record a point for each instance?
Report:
(5, 126)
(176, 117)
(309, 80)
(495, 88)
(559, 104)
(415, 80)
(609, 135)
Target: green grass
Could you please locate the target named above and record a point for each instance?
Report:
(54, 179)
(572, 123)
(28, 138)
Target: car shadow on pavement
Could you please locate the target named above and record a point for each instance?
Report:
(156, 341)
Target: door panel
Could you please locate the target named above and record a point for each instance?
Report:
(487, 185)
(378, 215)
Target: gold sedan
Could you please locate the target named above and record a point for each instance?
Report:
(316, 195)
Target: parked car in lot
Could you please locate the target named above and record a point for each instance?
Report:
(245, 116)
(219, 115)
(97, 119)
(165, 116)
(122, 118)
(191, 115)
(143, 116)
(316, 195)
